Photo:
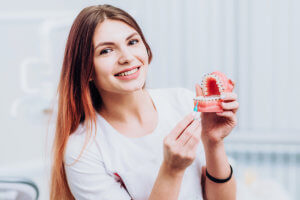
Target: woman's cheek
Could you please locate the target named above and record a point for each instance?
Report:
(143, 54)
(100, 70)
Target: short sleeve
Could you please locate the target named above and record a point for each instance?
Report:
(87, 176)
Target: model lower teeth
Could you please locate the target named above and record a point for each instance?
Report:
(128, 73)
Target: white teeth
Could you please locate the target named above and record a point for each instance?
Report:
(204, 81)
(208, 98)
(128, 72)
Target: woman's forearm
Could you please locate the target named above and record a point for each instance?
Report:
(217, 165)
(167, 184)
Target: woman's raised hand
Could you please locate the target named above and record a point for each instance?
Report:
(216, 126)
(181, 144)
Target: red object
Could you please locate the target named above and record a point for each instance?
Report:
(119, 179)
(213, 86)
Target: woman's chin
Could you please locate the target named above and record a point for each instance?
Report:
(132, 87)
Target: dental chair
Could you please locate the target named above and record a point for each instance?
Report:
(13, 188)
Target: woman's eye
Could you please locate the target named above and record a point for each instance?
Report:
(105, 51)
(133, 41)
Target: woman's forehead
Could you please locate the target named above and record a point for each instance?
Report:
(111, 30)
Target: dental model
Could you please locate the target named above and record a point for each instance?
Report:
(213, 85)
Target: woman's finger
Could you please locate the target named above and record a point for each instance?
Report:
(198, 90)
(229, 96)
(228, 114)
(188, 132)
(194, 139)
(232, 82)
(181, 126)
(233, 105)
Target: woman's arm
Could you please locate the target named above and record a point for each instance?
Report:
(167, 184)
(215, 127)
(217, 166)
(179, 152)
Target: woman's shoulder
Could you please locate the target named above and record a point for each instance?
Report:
(79, 143)
(77, 137)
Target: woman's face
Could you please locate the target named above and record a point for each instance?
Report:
(118, 49)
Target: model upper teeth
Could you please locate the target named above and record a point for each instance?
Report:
(218, 82)
(128, 72)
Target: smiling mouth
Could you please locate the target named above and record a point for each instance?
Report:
(128, 72)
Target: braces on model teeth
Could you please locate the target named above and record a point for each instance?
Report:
(213, 86)
(208, 77)
(209, 98)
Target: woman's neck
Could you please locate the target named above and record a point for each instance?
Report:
(135, 107)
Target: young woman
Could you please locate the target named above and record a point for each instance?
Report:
(115, 139)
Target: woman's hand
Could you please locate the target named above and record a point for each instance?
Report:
(216, 126)
(180, 147)
(181, 144)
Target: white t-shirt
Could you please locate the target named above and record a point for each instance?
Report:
(135, 160)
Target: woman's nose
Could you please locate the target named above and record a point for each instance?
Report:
(125, 56)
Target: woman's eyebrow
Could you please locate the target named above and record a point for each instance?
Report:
(111, 43)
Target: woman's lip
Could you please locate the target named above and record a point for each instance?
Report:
(131, 76)
(126, 70)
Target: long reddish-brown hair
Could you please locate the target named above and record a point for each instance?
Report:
(78, 98)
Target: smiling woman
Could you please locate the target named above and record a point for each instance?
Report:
(117, 139)
(120, 54)
(88, 63)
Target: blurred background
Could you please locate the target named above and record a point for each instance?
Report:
(254, 42)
